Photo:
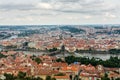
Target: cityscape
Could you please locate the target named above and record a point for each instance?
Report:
(59, 39)
(60, 52)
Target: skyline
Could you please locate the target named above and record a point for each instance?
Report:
(56, 12)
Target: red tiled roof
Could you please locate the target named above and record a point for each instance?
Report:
(61, 77)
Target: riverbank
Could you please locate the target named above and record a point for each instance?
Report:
(103, 56)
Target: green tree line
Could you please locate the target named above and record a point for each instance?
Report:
(111, 62)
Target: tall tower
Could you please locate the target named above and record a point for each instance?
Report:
(63, 50)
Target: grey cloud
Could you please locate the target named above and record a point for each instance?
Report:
(66, 6)
(60, 1)
(46, 9)
(16, 7)
(91, 12)
(67, 0)
(88, 7)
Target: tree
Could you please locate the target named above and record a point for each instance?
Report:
(52, 50)
(59, 60)
(53, 79)
(62, 48)
(93, 61)
(48, 78)
(9, 76)
(60, 74)
(105, 77)
(112, 62)
(38, 60)
(117, 79)
(70, 77)
(114, 51)
(76, 77)
(21, 75)
(2, 56)
(38, 78)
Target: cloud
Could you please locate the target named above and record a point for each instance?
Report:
(44, 6)
(88, 17)
(66, 1)
(72, 18)
(87, 7)
(67, 6)
(59, 9)
(109, 15)
(16, 7)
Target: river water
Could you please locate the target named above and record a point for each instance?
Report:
(12, 37)
(0, 48)
(102, 56)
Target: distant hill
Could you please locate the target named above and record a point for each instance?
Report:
(72, 29)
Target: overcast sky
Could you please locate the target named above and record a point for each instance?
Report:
(59, 12)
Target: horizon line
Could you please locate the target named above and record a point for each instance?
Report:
(54, 24)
